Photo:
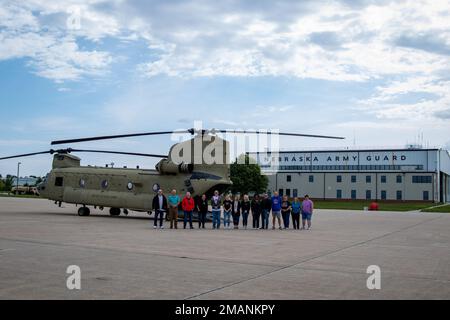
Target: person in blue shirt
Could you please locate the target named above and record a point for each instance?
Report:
(276, 210)
(296, 209)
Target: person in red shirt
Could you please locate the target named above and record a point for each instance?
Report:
(188, 205)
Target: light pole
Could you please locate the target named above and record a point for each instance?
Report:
(17, 182)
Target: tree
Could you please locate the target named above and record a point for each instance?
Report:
(6, 184)
(246, 176)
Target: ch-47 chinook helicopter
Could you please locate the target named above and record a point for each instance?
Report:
(123, 189)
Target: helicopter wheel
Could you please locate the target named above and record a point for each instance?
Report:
(84, 211)
(114, 211)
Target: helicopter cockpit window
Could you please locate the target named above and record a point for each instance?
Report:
(130, 186)
(82, 183)
(105, 184)
(59, 181)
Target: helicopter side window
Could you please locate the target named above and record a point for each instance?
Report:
(82, 183)
(59, 181)
(105, 184)
(130, 186)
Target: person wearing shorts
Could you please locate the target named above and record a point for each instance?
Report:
(307, 211)
(276, 210)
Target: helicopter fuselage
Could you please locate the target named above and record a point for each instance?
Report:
(126, 188)
(122, 188)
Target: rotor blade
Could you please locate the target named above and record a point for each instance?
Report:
(26, 155)
(279, 133)
(119, 136)
(69, 150)
(191, 131)
(121, 152)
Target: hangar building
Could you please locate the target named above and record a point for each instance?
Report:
(410, 174)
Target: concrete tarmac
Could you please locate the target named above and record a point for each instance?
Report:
(125, 258)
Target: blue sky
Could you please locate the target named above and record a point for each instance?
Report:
(376, 72)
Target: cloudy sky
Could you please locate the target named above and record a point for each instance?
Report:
(376, 72)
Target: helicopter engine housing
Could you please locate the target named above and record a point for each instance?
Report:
(166, 166)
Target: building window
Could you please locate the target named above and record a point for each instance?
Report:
(353, 194)
(399, 179)
(399, 195)
(288, 192)
(339, 194)
(368, 179)
(311, 178)
(289, 178)
(421, 179)
(383, 195)
(338, 178)
(280, 192)
(295, 193)
(368, 194)
(383, 179)
(59, 181)
(353, 179)
(426, 196)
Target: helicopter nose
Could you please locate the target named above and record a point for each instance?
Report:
(42, 188)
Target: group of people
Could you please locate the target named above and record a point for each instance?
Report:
(234, 208)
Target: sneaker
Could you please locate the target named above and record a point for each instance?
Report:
(273, 228)
(161, 227)
(281, 228)
(154, 227)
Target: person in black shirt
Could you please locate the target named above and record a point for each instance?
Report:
(202, 206)
(159, 204)
(236, 211)
(285, 211)
(227, 208)
(256, 211)
(245, 209)
(266, 206)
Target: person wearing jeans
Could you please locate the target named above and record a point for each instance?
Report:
(160, 206)
(216, 209)
(256, 211)
(188, 205)
(202, 211)
(266, 206)
(285, 211)
(296, 209)
(227, 206)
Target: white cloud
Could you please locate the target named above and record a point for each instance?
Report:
(201, 39)
(52, 52)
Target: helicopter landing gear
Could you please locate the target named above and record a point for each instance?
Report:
(84, 211)
(114, 211)
(125, 212)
